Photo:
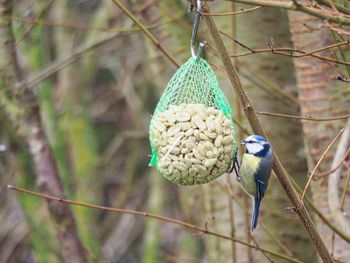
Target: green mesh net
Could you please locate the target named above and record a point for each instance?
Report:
(194, 82)
(192, 135)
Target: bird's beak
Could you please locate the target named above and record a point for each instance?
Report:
(243, 142)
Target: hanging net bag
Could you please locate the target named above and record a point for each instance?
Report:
(191, 133)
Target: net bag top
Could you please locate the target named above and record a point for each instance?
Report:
(194, 82)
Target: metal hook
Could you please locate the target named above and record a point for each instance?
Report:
(197, 9)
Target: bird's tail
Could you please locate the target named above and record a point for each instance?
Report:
(255, 213)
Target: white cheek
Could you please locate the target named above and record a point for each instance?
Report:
(254, 147)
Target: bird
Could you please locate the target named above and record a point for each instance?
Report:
(254, 171)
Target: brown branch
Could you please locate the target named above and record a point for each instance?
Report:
(289, 51)
(320, 214)
(293, 5)
(146, 31)
(342, 159)
(339, 6)
(196, 228)
(281, 115)
(41, 12)
(337, 29)
(264, 85)
(331, 4)
(258, 129)
(279, 51)
(279, 243)
(256, 243)
(232, 13)
(319, 162)
(34, 78)
(49, 23)
(28, 122)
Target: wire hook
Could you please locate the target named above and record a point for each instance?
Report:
(197, 10)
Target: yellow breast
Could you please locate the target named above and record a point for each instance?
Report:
(249, 165)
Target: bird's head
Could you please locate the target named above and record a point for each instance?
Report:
(257, 146)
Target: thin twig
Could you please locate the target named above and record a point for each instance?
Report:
(146, 31)
(289, 51)
(256, 243)
(339, 6)
(320, 161)
(320, 214)
(150, 215)
(338, 30)
(293, 5)
(331, 4)
(272, 114)
(268, 86)
(34, 78)
(232, 13)
(279, 51)
(49, 23)
(263, 84)
(318, 176)
(278, 242)
(42, 12)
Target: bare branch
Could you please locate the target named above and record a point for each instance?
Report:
(289, 52)
(232, 13)
(49, 23)
(198, 229)
(146, 31)
(228, 188)
(341, 161)
(272, 114)
(320, 161)
(34, 78)
(338, 6)
(293, 5)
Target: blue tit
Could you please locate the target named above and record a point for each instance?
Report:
(255, 170)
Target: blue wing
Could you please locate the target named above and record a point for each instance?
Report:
(262, 177)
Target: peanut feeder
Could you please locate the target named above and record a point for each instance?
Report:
(191, 132)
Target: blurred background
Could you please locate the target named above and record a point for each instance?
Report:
(76, 124)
